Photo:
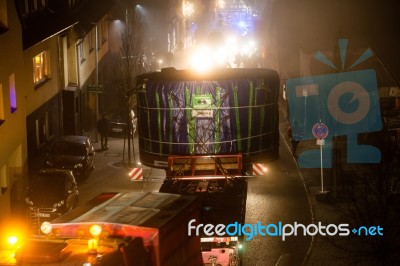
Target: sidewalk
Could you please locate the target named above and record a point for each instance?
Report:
(118, 150)
(322, 251)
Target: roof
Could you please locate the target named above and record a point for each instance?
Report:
(128, 212)
(58, 17)
(87, 20)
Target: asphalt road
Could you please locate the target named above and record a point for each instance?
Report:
(278, 196)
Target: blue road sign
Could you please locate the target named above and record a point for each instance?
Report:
(320, 130)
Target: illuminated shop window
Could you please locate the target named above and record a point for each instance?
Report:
(13, 94)
(41, 67)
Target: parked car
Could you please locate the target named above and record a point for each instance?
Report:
(75, 153)
(117, 124)
(51, 193)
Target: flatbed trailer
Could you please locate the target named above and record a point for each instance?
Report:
(222, 191)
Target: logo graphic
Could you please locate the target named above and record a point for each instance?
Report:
(347, 102)
(280, 229)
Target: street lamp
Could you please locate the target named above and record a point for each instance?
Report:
(221, 4)
(187, 9)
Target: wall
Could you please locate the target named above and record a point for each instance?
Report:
(13, 151)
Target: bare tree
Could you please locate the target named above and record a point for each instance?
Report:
(372, 200)
(129, 63)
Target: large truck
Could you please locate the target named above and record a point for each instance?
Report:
(207, 130)
(222, 190)
(127, 229)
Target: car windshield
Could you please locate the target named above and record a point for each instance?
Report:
(48, 185)
(66, 148)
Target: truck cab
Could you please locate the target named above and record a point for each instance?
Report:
(129, 228)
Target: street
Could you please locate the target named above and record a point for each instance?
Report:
(278, 196)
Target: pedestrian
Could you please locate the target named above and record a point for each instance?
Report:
(102, 128)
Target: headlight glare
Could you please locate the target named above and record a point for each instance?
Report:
(28, 201)
(58, 204)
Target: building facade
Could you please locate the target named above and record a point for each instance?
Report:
(13, 150)
(52, 51)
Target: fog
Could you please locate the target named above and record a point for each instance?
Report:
(313, 25)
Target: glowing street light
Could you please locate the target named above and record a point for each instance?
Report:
(187, 9)
(221, 4)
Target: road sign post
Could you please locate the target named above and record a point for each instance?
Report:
(321, 131)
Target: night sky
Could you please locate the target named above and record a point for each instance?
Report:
(310, 23)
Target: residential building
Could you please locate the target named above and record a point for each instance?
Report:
(52, 51)
(13, 148)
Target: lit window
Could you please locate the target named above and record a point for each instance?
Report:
(13, 94)
(41, 67)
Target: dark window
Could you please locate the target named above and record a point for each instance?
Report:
(64, 148)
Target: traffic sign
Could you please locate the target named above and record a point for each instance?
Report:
(259, 169)
(136, 174)
(97, 88)
(320, 130)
